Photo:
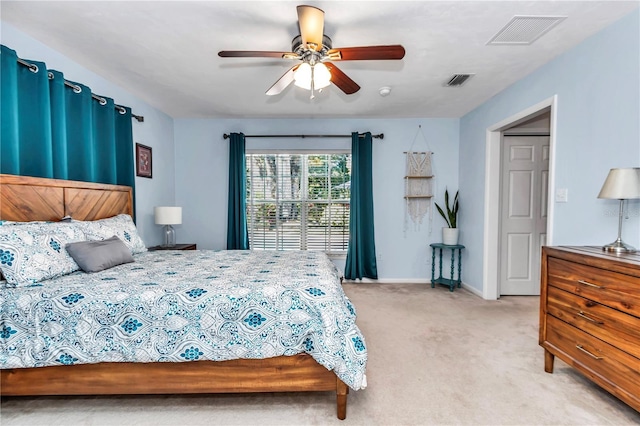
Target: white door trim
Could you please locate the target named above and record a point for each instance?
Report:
(491, 244)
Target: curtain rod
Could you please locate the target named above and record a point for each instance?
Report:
(380, 136)
(78, 89)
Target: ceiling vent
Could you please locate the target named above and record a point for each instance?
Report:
(525, 29)
(458, 80)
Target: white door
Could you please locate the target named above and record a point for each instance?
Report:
(523, 212)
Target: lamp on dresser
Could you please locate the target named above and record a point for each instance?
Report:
(621, 184)
(168, 216)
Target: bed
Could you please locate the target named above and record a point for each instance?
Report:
(257, 369)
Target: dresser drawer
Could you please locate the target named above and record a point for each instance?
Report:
(613, 289)
(614, 327)
(611, 368)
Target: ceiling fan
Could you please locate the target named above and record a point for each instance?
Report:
(316, 53)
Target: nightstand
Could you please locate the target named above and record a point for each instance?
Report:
(176, 247)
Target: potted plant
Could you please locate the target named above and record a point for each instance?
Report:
(449, 233)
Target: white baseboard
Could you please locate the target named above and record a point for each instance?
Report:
(472, 290)
(390, 281)
(424, 281)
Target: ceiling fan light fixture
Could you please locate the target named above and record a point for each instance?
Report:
(316, 54)
(321, 76)
(302, 76)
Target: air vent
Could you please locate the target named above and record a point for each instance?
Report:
(458, 80)
(525, 29)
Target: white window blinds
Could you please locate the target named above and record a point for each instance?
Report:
(298, 201)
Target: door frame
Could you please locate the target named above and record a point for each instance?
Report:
(493, 169)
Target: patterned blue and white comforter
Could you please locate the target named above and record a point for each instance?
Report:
(185, 306)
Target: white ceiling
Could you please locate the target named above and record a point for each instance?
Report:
(166, 52)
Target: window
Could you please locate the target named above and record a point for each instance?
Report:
(298, 201)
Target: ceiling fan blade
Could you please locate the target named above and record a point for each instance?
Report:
(282, 82)
(311, 23)
(341, 80)
(256, 54)
(394, 51)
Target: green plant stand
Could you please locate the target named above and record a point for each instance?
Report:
(450, 282)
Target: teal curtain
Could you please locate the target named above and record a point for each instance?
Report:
(51, 130)
(124, 148)
(361, 254)
(25, 147)
(58, 125)
(81, 158)
(237, 232)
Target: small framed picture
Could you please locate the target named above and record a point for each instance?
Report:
(143, 160)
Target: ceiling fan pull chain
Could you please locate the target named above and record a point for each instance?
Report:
(312, 81)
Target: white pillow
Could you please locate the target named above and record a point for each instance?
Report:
(34, 253)
(14, 223)
(121, 226)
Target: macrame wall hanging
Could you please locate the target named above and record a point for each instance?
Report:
(419, 185)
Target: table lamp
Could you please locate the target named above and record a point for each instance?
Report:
(168, 216)
(621, 184)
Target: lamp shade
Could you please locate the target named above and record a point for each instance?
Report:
(621, 184)
(302, 76)
(321, 76)
(168, 215)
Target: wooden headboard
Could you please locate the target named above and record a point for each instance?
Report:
(25, 198)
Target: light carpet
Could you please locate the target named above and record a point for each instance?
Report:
(435, 358)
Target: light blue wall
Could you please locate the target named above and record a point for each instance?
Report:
(156, 131)
(598, 87)
(598, 128)
(202, 178)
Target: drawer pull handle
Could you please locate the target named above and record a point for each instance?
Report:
(589, 284)
(582, 314)
(587, 352)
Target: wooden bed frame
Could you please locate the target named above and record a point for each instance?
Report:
(24, 198)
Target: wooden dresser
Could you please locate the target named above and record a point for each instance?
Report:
(590, 316)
